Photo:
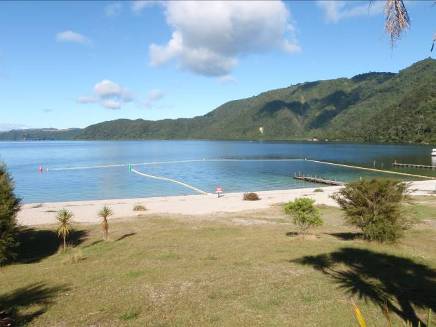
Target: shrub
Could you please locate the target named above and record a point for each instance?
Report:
(305, 214)
(9, 207)
(75, 256)
(139, 207)
(104, 213)
(251, 196)
(64, 218)
(318, 190)
(374, 206)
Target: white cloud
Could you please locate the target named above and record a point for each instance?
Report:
(335, 11)
(139, 5)
(107, 88)
(111, 104)
(70, 36)
(152, 97)
(108, 94)
(226, 79)
(113, 9)
(208, 37)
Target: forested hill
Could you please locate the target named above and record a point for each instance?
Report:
(371, 107)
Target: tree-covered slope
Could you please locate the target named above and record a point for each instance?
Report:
(371, 107)
(40, 134)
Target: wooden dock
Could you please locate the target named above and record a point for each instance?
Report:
(318, 180)
(406, 165)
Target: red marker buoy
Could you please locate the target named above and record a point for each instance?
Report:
(219, 191)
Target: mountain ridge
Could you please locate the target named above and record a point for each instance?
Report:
(369, 107)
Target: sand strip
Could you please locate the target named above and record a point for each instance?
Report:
(86, 211)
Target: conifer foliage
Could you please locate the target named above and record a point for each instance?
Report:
(9, 207)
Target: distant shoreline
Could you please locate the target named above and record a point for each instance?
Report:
(305, 141)
(186, 205)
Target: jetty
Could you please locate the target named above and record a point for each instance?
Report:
(319, 180)
(371, 169)
(407, 165)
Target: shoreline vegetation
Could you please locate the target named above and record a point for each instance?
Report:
(365, 108)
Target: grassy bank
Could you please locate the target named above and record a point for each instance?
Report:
(245, 269)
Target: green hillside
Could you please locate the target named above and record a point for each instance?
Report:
(45, 134)
(372, 107)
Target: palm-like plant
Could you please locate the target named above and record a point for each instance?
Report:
(104, 213)
(397, 18)
(64, 218)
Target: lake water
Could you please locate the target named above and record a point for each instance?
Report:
(60, 184)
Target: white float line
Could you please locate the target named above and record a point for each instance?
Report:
(167, 162)
(371, 169)
(169, 180)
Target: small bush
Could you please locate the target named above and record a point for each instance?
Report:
(375, 207)
(318, 190)
(251, 196)
(139, 207)
(130, 314)
(305, 215)
(74, 256)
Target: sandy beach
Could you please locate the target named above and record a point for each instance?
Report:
(86, 211)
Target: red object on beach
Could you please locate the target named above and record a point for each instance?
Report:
(219, 190)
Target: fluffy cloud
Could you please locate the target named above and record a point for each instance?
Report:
(70, 36)
(139, 5)
(226, 79)
(111, 103)
(108, 94)
(111, 95)
(113, 9)
(335, 11)
(208, 37)
(153, 96)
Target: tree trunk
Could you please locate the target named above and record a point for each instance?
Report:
(65, 243)
(105, 228)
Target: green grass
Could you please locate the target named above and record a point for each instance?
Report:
(185, 271)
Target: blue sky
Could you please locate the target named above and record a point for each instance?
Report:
(72, 64)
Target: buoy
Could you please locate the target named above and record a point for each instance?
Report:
(40, 169)
(219, 191)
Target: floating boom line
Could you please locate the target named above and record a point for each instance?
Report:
(169, 180)
(167, 162)
(242, 160)
(371, 169)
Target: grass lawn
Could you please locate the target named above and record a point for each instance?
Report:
(244, 269)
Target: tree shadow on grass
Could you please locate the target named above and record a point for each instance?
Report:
(37, 244)
(22, 305)
(386, 280)
(125, 236)
(347, 236)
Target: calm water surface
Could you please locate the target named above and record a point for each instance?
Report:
(24, 158)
